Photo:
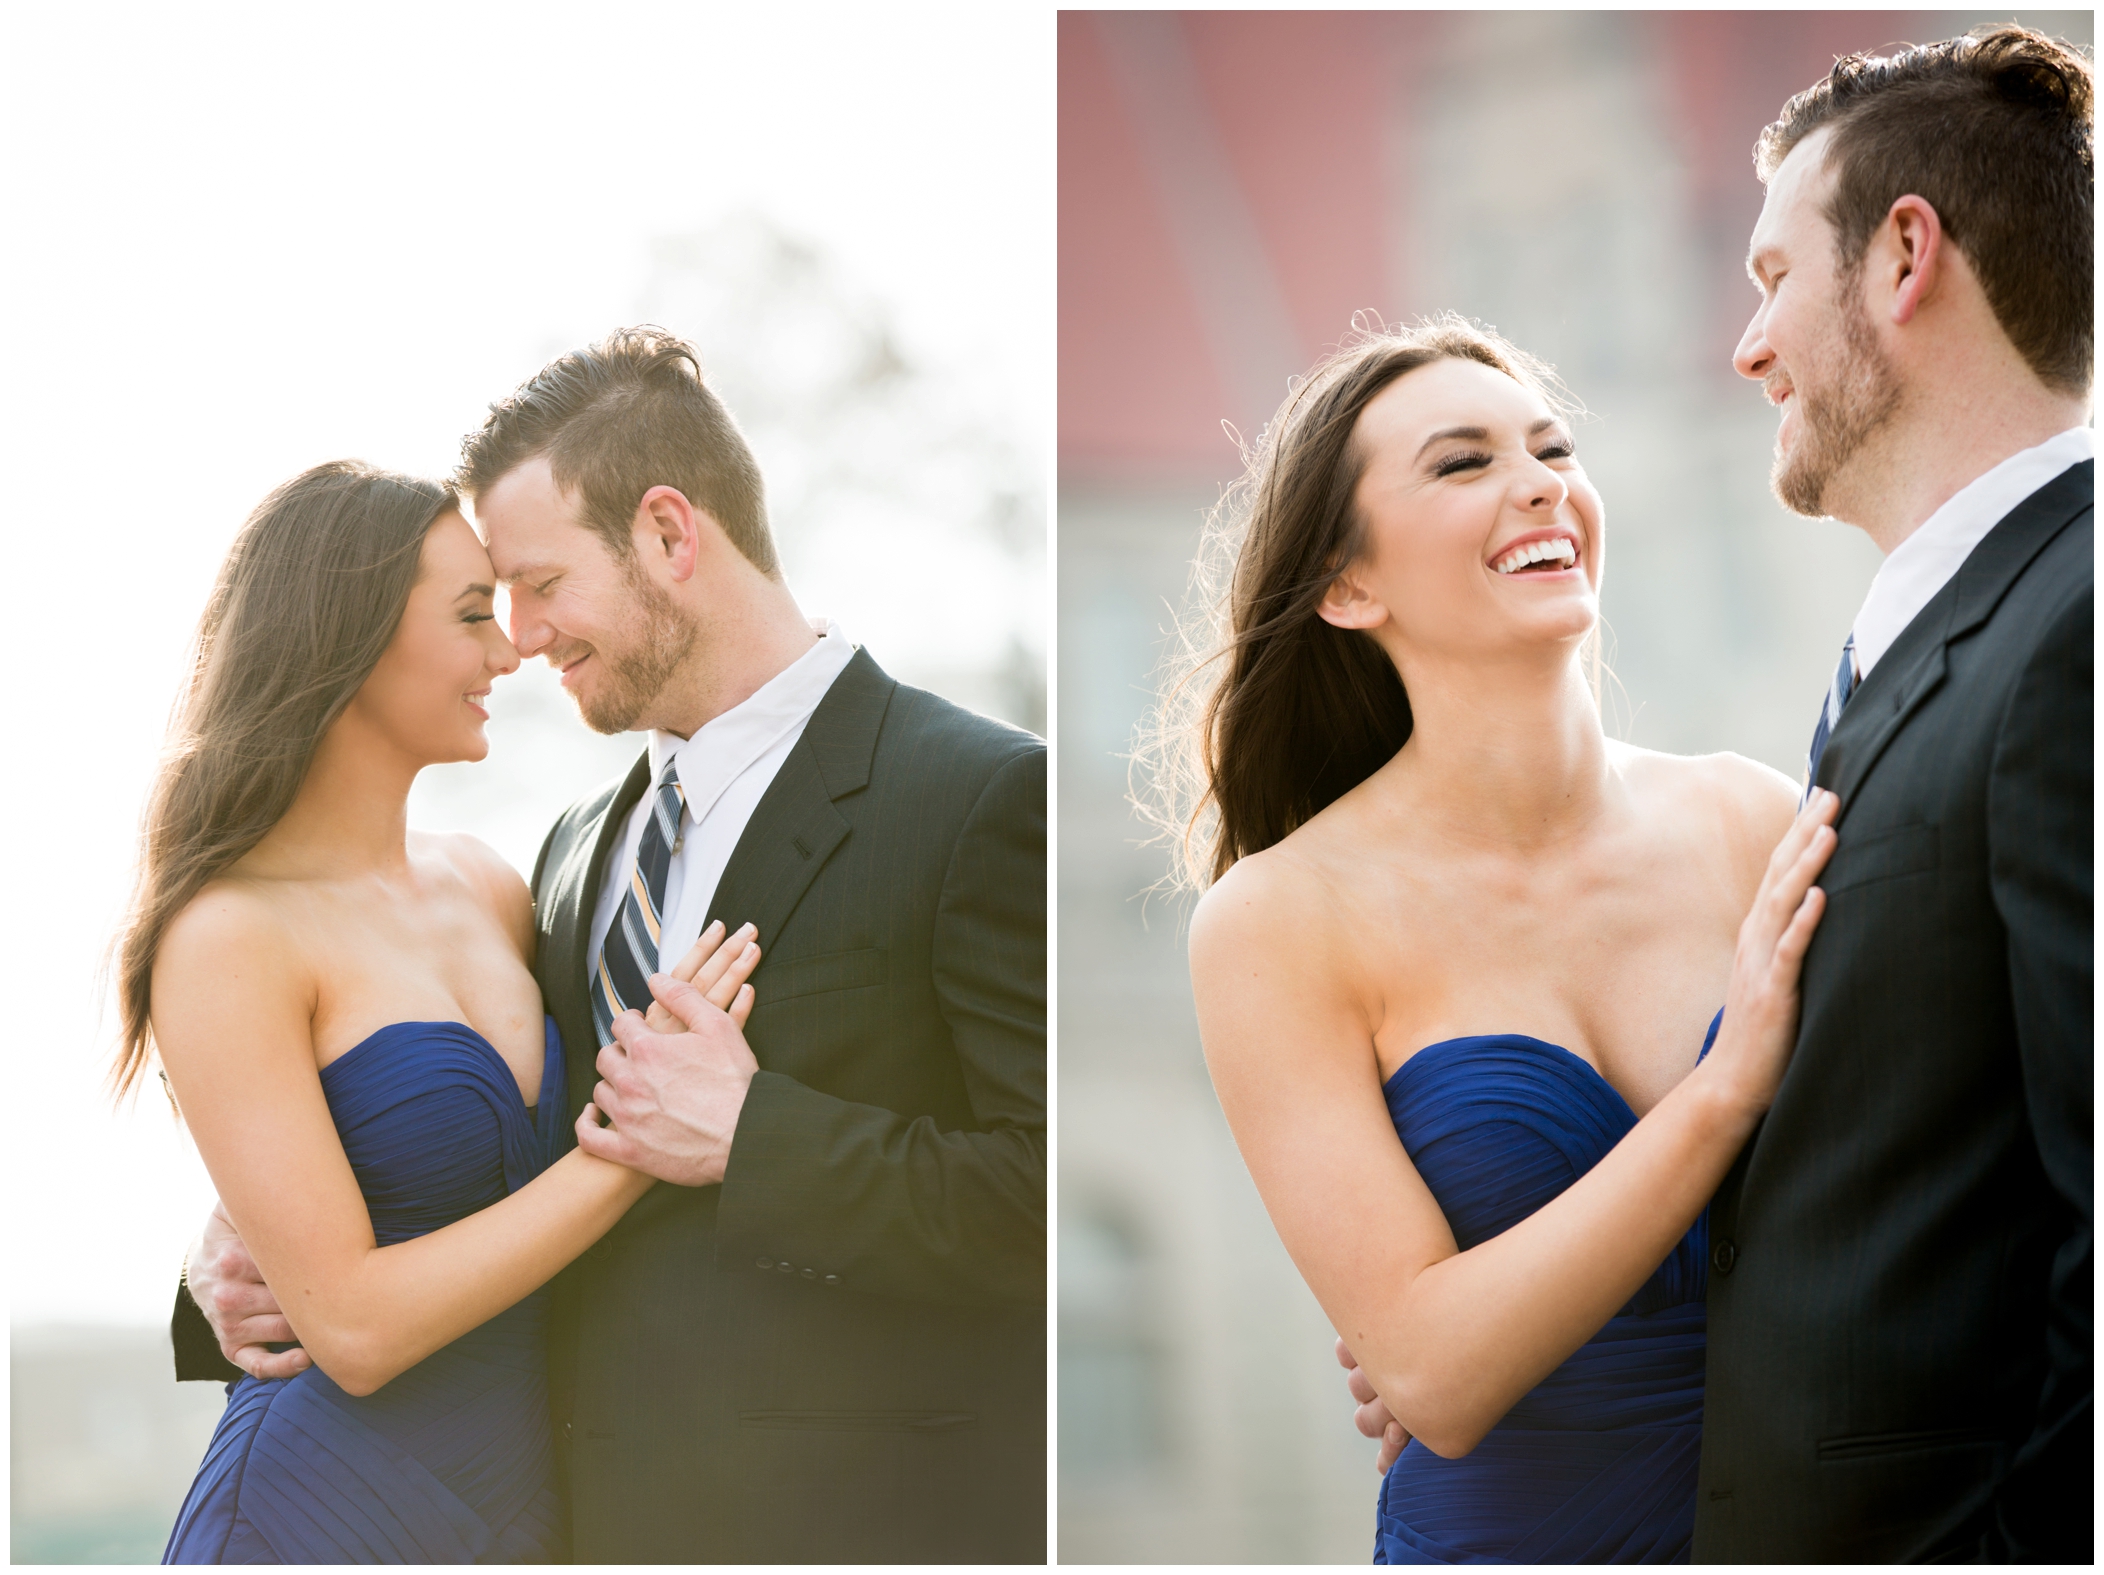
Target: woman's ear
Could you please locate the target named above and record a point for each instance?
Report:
(1348, 604)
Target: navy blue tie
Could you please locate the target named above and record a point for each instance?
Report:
(630, 955)
(1830, 714)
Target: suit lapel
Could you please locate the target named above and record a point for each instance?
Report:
(1915, 666)
(797, 823)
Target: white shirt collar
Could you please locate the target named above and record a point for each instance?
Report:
(1924, 563)
(726, 745)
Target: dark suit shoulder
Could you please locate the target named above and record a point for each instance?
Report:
(578, 823)
(978, 745)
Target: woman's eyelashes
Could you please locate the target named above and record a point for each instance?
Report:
(1475, 459)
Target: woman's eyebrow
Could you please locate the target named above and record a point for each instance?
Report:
(1476, 434)
(477, 589)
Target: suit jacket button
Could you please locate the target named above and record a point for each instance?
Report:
(1724, 1255)
(786, 1268)
(810, 1274)
(832, 1279)
(763, 1263)
(566, 1431)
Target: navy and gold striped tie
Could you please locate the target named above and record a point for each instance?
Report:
(630, 955)
(1830, 714)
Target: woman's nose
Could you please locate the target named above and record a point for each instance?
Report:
(505, 658)
(1549, 489)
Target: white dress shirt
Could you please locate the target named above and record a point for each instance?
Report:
(1923, 564)
(724, 769)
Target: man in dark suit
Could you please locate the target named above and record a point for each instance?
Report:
(1900, 1357)
(823, 1340)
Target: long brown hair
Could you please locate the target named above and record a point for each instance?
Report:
(1268, 714)
(307, 600)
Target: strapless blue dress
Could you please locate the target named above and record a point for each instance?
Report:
(1596, 1464)
(451, 1463)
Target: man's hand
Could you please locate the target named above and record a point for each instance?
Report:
(228, 1288)
(674, 1098)
(1373, 1417)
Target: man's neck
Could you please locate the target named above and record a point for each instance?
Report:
(1939, 443)
(743, 649)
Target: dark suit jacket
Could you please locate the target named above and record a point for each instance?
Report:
(838, 1355)
(1899, 1303)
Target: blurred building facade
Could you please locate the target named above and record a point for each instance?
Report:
(1233, 188)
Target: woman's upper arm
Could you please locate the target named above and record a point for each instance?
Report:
(1290, 1048)
(232, 1020)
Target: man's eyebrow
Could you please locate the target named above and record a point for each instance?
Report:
(1477, 434)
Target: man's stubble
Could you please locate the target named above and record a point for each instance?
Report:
(665, 634)
(1854, 396)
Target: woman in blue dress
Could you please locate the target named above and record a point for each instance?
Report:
(1459, 955)
(346, 1013)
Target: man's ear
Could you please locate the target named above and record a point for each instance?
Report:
(1348, 604)
(668, 527)
(1908, 251)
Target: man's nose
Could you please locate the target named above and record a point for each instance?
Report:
(530, 634)
(1753, 358)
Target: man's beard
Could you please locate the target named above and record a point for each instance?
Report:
(664, 638)
(1857, 395)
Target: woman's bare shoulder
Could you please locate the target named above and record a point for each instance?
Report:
(229, 921)
(1261, 892)
(230, 950)
(1735, 804)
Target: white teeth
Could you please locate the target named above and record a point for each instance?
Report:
(1560, 547)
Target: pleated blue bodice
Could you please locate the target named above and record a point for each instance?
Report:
(1596, 1464)
(451, 1462)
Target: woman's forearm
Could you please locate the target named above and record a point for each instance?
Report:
(1475, 1331)
(396, 1305)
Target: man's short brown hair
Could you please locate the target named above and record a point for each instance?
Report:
(618, 418)
(1996, 132)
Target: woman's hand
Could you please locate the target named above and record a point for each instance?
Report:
(1760, 1008)
(717, 966)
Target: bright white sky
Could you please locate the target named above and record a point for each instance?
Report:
(243, 241)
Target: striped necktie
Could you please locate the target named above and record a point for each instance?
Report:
(1830, 714)
(630, 954)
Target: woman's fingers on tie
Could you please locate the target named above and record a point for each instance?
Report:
(705, 946)
(725, 989)
(723, 964)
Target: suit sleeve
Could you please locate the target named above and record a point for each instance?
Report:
(197, 1354)
(2039, 825)
(897, 1206)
